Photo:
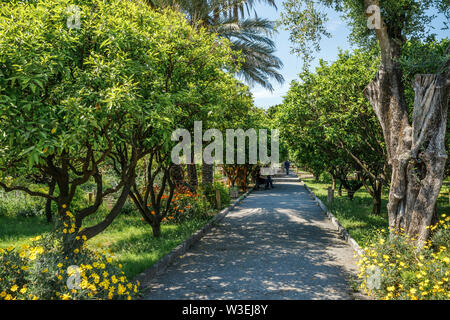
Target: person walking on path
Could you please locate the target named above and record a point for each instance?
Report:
(286, 166)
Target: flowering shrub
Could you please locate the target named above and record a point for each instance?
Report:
(394, 268)
(184, 205)
(42, 271)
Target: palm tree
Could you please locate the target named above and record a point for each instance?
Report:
(249, 36)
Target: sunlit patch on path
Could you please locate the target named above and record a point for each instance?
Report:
(277, 244)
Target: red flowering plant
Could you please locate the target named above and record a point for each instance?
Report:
(185, 205)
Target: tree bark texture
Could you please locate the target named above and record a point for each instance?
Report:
(416, 152)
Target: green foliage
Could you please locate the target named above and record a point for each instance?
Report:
(423, 57)
(405, 19)
(21, 205)
(325, 116)
(249, 37)
(210, 193)
(75, 101)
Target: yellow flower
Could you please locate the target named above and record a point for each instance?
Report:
(53, 130)
(14, 288)
(59, 265)
(76, 251)
(66, 296)
(121, 289)
(23, 290)
(392, 288)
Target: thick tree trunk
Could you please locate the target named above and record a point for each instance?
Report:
(333, 179)
(416, 153)
(376, 197)
(207, 174)
(48, 204)
(192, 175)
(351, 186)
(156, 228)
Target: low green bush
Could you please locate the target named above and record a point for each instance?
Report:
(210, 194)
(21, 205)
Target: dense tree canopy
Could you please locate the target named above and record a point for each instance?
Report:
(109, 92)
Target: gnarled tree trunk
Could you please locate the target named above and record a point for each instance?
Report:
(416, 152)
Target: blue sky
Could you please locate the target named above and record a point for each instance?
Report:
(292, 64)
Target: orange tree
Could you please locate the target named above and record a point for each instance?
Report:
(100, 84)
(155, 188)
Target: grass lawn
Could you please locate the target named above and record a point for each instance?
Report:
(356, 215)
(128, 239)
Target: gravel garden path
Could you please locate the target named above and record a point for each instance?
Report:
(276, 244)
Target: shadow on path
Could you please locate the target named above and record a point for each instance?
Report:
(277, 244)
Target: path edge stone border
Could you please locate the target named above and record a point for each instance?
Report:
(162, 264)
(343, 233)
